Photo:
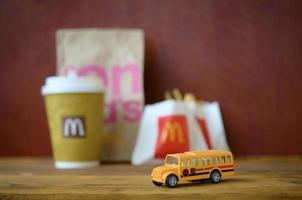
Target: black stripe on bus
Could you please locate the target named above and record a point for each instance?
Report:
(202, 173)
(227, 170)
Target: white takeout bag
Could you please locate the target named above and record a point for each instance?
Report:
(175, 126)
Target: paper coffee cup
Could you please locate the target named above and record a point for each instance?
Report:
(74, 106)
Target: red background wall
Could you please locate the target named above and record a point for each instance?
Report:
(245, 54)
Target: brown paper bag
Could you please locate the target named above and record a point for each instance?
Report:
(116, 57)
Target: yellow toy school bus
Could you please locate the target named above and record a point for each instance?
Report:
(194, 165)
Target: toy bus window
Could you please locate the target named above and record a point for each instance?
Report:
(218, 160)
(199, 162)
(209, 161)
(204, 162)
(228, 159)
(194, 162)
(188, 163)
(182, 163)
(215, 161)
(222, 158)
(170, 160)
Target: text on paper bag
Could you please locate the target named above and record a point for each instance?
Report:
(112, 80)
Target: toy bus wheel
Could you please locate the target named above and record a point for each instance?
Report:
(215, 176)
(157, 183)
(171, 181)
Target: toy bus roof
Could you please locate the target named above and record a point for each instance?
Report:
(200, 153)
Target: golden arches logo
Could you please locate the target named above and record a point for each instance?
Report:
(171, 130)
(172, 135)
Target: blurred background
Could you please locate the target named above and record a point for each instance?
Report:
(247, 55)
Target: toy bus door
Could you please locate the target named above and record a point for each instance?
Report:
(185, 168)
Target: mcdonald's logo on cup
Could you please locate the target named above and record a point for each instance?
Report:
(172, 135)
(73, 126)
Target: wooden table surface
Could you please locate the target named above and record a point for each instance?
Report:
(256, 177)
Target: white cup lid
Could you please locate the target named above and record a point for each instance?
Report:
(72, 83)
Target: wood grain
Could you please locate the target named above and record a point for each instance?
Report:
(244, 54)
(256, 178)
